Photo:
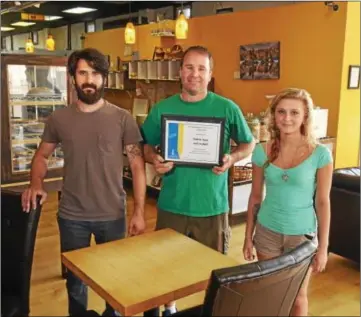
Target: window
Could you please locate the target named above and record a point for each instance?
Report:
(90, 27)
(186, 10)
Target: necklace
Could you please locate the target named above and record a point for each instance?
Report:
(285, 175)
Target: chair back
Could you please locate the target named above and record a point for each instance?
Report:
(264, 288)
(18, 233)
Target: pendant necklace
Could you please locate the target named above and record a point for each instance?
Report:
(284, 175)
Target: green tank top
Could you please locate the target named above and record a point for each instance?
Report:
(288, 207)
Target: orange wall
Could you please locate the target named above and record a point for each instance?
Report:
(111, 42)
(311, 39)
(348, 130)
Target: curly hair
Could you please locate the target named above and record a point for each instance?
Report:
(306, 127)
(93, 57)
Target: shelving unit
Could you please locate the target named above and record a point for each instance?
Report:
(142, 70)
(133, 70)
(34, 86)
(173, 70)
(154, 70)
(119, 80)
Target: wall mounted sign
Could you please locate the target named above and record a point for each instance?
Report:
(353, 77)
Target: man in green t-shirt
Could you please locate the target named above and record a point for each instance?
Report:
(194, 200)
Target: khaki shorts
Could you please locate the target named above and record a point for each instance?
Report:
(273, 244)
(213, 231)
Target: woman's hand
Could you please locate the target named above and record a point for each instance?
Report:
(248, 250)
(319, 261)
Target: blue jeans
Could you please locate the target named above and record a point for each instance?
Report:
(75, 235)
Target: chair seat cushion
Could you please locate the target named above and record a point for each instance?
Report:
(347, 178)
(10, 306)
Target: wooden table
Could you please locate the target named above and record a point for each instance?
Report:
(146, 271)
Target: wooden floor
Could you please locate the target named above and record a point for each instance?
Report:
(336, 292)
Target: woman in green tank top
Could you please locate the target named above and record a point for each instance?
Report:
(293, 167)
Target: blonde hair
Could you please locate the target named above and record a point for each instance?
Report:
(306, 127)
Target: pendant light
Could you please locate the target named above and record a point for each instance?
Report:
(29, 45)
(129, 33)
(181, 26)
(50, 43)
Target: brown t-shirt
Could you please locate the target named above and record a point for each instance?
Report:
(93, 160)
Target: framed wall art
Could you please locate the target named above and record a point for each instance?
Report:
(353, 77)
(260, 61)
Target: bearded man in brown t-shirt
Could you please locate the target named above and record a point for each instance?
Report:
(93, 134)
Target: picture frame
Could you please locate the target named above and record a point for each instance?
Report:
(192, 140)
(260, 61)
(353, 77)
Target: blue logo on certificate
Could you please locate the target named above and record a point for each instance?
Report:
(173, 140)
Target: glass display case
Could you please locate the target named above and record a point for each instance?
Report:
(32, 88)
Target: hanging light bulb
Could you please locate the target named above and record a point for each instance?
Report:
(181, 27)
(50, 43)
(29, 46)
(129, 33)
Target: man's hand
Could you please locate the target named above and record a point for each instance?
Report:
(29, 197)
(227, 163)
(159, 165)
(136, 224)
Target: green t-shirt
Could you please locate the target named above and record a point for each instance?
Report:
(288, 207)
(195, 191)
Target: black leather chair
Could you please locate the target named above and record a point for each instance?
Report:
(264, 288)
(345, 213)
(18, 233)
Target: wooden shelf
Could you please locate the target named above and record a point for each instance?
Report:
(118, 80)
(154, 70)
(25, 141)
(49, 103)
(237, 183)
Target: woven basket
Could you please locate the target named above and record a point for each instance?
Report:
(243, 173)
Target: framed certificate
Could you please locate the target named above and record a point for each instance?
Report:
(196, 141)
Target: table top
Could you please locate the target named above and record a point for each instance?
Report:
(146, 271)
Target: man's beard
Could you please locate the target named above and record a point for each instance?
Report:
(89, 98)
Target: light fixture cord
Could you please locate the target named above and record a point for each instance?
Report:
(130, 10)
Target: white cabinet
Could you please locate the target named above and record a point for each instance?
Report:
(240, 198)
